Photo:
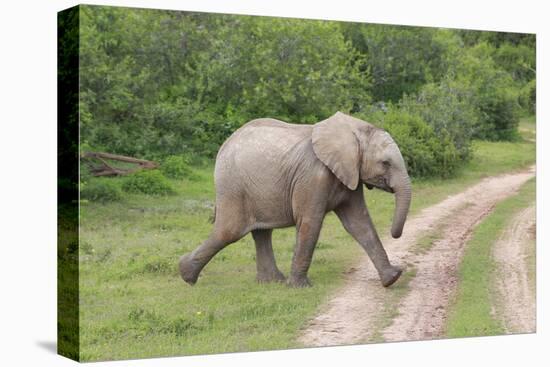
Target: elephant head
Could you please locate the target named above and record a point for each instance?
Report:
(356, 151)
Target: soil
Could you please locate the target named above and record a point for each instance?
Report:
(364, 311)
(515, 291)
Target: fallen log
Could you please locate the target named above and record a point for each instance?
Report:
(106, 169)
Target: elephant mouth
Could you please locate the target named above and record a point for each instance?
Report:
(380, 184)
(387, 189)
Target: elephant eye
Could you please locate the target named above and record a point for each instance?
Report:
(386, 163)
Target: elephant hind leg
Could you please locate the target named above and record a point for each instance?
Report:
(266, 265)
(307, 233)
(190, 265)
(228, 228)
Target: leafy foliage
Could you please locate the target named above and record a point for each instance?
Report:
(101, 190)
(156, 84)
(447, 107)
(402, 59)
(426, 152)
(176, 82)
(528, 97)
(68, 110)
(177, 167)
(518, 60)
(150, 182)
(495, 97)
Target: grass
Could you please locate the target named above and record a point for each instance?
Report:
(67, 275)
(134, 305)
(472, 312)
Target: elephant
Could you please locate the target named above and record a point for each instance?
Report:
(271, 174)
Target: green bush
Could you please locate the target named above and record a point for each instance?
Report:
(401, 58)
(180, 83)
(151, 182)
(496, 95)
(528, 97)
(518, 60)
(499, 115)
(177, 83)
(177, 167)
(448, 108)
(101, 190)
(425, 152)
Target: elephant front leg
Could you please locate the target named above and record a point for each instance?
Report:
(307, 233)
(356, 220)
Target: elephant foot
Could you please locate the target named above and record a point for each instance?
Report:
(390, 275)
(298, 282)
(270, 277)
(188, 271)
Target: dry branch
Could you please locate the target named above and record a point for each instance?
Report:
(105, 169)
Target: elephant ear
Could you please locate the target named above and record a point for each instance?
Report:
(335, 143)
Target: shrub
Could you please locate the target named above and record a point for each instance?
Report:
(528, 97)
(101, 190)
(448, 108)
(499, 114)
(150, 182)
(196, 78)
(425, 153)
(518, 60)
(496, 96)
(402, 59)
(177, 167)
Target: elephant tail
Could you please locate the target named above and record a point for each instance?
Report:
(212, 218)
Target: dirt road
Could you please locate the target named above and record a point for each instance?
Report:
(516, 290)
(430, 248)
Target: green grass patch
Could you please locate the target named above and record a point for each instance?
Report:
(102, 190)
(425, 243)
(134, 305)
(472, 312)
(68, 343)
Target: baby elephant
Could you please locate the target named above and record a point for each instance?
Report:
(271, 174)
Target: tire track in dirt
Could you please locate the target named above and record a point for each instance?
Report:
(516, 297)
(356, 312)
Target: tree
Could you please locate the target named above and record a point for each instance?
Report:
(401, 59)
(159, 83)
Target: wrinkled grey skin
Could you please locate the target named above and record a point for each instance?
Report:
(271, 174)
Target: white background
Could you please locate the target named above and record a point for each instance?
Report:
(28, 181)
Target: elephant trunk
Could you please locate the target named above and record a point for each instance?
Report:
(402, 190)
